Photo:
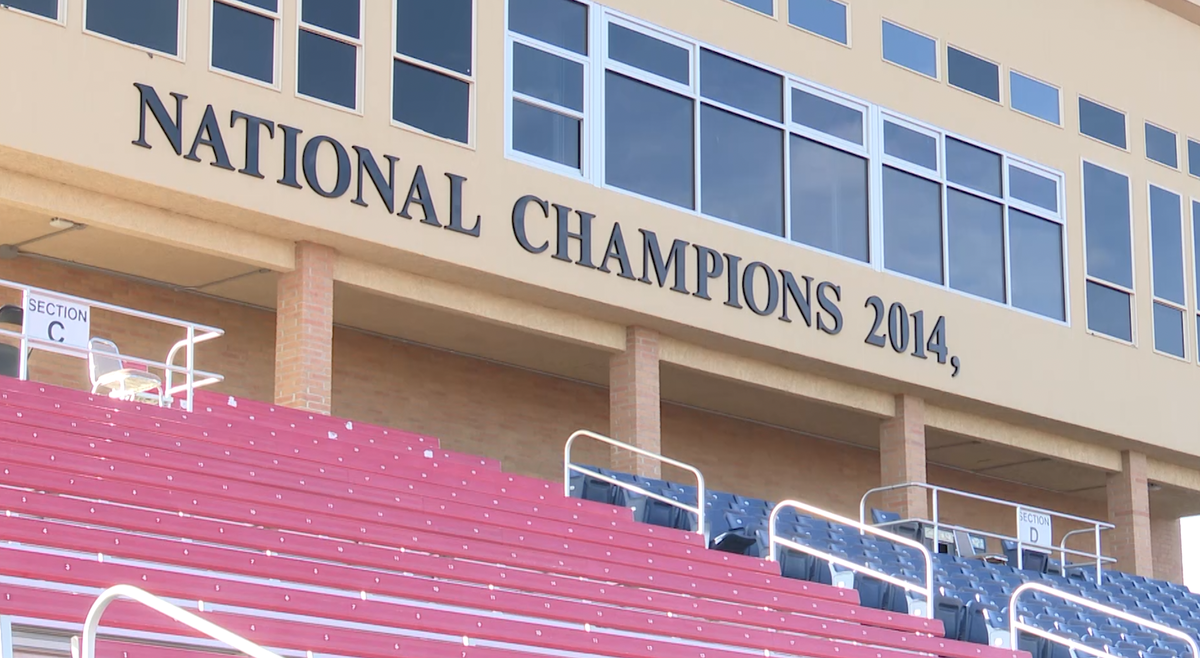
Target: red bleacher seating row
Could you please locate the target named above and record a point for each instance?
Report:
(365, 544)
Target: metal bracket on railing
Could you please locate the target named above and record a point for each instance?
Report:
(1014, 623)
(87, 647)
(926, 589)
(568, 466)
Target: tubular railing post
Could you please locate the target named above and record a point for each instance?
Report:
(1098, 564)
(92, 623)
(6, 638)
(191, 364)
(937, 537)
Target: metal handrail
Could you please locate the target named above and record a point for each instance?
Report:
(196, 333)
(87, 647)
(1015, 624)
(568, 466)
(1095, 526)
(775, 539)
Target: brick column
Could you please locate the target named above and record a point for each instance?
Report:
(1167, 540)
(633, 402)
(902, 457)
(1129, 510)
(304, 331)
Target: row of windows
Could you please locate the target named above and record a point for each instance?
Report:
(682, 123)
(432, 54)
(1162, 145)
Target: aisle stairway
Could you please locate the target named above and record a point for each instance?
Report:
(307, 533)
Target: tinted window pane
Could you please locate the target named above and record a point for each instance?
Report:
(975, 231)
(546, 134)
(978, 76)
(648, 140)
(824, 17)
(1194, 157)
(151, 24)
(1108, 311)
(1035, 257)
(912, 225)
(327, 69)
(741, 172)
(1161, 146)
(909, 49)
(243, 42)
(1168, 330)
(341, 16)
(827, 116)
(1106, 221)
(1166, 243)
(1034, 97)
(829, 199)
(1104, 124)
(917, 148)
(435, 32)
(1032, 188)
(269, 5)
(562, 23)
(548, 77)
(973, 167)
(47, 8)
(1196, 240)
(743, 86)
(765, 6)
(649, 54)
(435, 103)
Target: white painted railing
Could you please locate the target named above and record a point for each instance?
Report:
(1015, 624)
(925, 589)
(86, 648)
(569, 466)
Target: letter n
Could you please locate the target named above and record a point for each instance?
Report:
(172, 128)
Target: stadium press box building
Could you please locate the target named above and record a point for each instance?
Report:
(811, 247)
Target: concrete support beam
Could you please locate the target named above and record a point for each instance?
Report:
(304, 331)
(902, 457)
(634, 409)
(1129, 511)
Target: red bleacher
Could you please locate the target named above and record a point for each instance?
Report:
(308, 533)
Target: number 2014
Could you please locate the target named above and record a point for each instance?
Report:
(900, 334)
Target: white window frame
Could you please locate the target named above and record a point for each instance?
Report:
(1123, 114)
(1154, 297)
(1133, 315)
(1000, 70)
(1057, 89)
(592, 156)
(849, 22)
(774, 9)
(1189, 238)
(61, 12)
(1187, 154)
(277, 64)
(180, 34)
(430, 66)
(301, 26)
(1146, 145)
(937, 48)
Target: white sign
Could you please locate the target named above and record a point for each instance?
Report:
(1034, 528)
(57, 322)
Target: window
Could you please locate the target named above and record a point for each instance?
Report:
(765, 6)
(44, 8)
(329, 52)
(1103, 123)
(1195, 261)
(1166, 255)
(826, 18)
(1109, 252)
(1162, 146)
(433, 71)
(151, 24)
(245, 36)
(1035, 98)
(909, 49)
(973, 74)
(1193, 154)
(548, 48)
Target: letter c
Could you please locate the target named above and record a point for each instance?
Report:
(518, 222)
(50, 331)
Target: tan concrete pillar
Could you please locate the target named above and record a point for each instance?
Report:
(902, 457)
(1129, 511)
(1167, 541)
(634, 405)
(304, 331)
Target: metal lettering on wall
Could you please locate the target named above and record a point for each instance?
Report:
(689, 269)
